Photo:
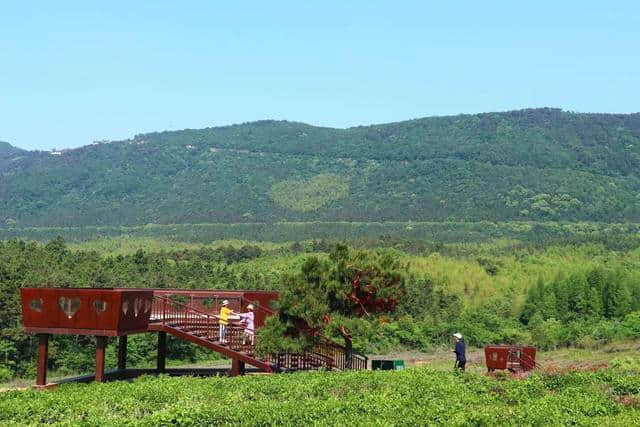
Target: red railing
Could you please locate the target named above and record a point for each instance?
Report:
(211, 301)
(209, 304)
(518, 360)
(527, 362)
(257, 307)
(341, 357)
(323, 356)
(307, 361)
(204, 325)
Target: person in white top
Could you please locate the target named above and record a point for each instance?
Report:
(248, 321)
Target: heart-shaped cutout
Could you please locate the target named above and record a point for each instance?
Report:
(69, 306)
(147, 305)
(36, 304)
(125, 307)
(100, 305)
(137, 306)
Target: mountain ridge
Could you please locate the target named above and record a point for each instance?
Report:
(635, 115)
(5, 147)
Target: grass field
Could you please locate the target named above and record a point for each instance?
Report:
(415, 396)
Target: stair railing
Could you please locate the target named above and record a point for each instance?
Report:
(196, 322)
(342, 357)
(306, 361)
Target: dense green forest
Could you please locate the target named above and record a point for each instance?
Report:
(553, 295)
(528, 165)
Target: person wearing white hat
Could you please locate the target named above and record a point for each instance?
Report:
(248, 321)
(223, 320)
(461, 358)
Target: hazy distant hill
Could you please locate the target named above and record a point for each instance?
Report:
(7, 150)
(542, 164)
(8, 153)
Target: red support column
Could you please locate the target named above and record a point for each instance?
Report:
(122, 353)
(101, 344)
(43, 353)
(162, 351)
(237, 367)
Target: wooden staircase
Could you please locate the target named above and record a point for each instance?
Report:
(199, 327)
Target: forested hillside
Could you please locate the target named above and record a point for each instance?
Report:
(528, 165)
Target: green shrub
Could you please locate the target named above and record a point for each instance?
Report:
(6, 374)
(631, 324)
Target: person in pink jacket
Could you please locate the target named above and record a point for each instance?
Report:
(247, 320)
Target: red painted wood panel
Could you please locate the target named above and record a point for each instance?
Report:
(85, 310)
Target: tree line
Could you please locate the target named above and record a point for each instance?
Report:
(406, 307)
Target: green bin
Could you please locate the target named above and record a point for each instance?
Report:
(387, 365)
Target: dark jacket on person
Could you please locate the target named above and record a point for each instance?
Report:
(460, 351)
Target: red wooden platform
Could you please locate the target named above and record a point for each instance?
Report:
(189, 315)
(511, 357)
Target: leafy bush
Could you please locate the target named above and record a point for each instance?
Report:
(631, 324)
(6, 374)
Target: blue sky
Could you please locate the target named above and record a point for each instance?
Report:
(73, 72)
